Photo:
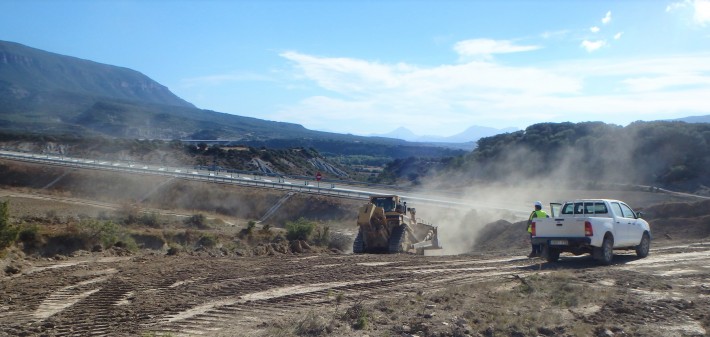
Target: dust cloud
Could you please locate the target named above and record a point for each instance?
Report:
(506, 187)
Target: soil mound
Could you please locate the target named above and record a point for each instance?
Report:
(679, 220)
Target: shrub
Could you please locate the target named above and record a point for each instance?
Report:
(129, 213)
(8, 233)
(250, 226)
(150, 219)
(175, 249)
(8, 236)
(127, 242)
(300, 229)
(321, 237)
(358, 315)
(107, 233)
(30, 237)
(208, 241)
(197, 220)
(104, 232)
(312, 325)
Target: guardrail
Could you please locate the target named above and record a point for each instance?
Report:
(250, 180)
(183, 173)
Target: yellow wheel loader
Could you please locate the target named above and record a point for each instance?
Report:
(387, 225)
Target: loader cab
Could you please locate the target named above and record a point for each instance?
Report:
(390, 203)
(387, 203)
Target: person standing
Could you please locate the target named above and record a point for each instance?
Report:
(537, 213)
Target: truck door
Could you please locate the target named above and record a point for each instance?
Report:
(635, 230)
(622, 224)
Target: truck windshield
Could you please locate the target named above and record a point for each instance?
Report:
(585, 208)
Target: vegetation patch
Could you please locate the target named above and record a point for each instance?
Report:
(536, 305)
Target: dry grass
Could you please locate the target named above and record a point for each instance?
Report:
(540, 304)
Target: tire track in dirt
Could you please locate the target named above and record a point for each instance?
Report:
(193, 296)
(68, 296)
(380, 280)
(387, 279)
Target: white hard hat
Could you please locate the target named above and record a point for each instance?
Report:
(537, 203)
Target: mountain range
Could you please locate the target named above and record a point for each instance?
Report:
(51, 94)
(471, 134)
(48, 93)
(695, 119)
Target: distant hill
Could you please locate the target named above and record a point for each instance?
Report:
(674, 155)
(28, 74)
(695, 119)
(470, 135)
(51, 94)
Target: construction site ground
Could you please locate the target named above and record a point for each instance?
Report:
(492, 291)
(151, 294)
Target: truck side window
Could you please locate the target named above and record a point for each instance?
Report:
(600, 208)
(617, 209)
(628, 213)
(578, 208)
(568, 209)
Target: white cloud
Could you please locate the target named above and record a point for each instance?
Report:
(592, 46)
(667, 81)
(345, 75)
(487, 47)
(677, 6)
(700, 10)
(607, 18)
(617, 36)
(594, 29)
(448, 98)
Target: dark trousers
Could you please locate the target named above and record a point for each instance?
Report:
(536, 249)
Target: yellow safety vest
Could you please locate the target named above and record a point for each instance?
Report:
(535, 214)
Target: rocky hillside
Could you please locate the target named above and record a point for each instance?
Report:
(289, 162)
(31, 75)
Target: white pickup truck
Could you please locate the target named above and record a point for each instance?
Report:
(596, 226)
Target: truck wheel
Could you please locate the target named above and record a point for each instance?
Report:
(643, 247)
(605, 253)
(398, 239)
(359, 243)
(550, 254)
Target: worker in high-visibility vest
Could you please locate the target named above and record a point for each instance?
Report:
(537, 213)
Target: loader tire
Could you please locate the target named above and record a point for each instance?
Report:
(398, 240)
(359, 243)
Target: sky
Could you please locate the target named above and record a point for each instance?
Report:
(368, 67)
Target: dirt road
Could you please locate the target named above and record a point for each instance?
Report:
(154, 295)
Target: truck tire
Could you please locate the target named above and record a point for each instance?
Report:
(605, 253)
(359, 243)
(398, 239)
(550, 254)
(645, 245)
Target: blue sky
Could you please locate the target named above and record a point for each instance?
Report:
(363, 67)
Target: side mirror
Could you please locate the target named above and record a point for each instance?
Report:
(639, 215)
